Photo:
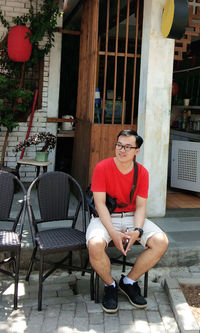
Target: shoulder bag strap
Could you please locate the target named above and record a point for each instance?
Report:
(135, 177)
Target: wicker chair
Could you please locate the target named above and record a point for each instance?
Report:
(54, 190)
(11, 227)
(121, 260)
(114, 259)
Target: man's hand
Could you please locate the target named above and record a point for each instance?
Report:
(119, 239)
(133, 236)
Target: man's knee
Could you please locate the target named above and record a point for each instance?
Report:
(96, 246)
(158, 242)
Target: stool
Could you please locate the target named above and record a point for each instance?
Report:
(34, 163)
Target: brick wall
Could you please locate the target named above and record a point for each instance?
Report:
(12, 9)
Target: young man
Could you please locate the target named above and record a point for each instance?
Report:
(114, 176)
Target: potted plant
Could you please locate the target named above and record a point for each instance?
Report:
(46, 140)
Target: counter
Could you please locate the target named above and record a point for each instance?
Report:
(183, 135)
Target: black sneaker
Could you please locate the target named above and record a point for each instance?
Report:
(133, 293)
(110, 299)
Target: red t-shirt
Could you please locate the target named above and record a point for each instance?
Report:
(107, 178)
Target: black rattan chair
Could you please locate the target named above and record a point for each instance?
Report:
(54, 190)
(121, 260)
(11, 228)
(114, 259)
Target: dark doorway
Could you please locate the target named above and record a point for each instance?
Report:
(67, 98)
(69, 75)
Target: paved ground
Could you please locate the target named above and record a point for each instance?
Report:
(64, 312)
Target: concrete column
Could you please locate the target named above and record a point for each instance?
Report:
(54, 76)
(53, 90)
(155, 104)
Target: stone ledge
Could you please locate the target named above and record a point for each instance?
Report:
(182, 312)
(174, 256)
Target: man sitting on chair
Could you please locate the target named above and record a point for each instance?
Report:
(114, 176)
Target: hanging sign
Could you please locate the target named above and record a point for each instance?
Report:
(175, 18)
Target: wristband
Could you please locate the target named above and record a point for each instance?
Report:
(140, 231)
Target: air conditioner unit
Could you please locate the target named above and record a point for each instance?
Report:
(185, 165)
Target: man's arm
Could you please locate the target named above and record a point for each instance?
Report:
(104, 215)
(139, 217)
(140, 212)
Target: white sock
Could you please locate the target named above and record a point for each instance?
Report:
(127, 280)
(112, 284)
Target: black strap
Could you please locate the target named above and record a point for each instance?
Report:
(135, 177)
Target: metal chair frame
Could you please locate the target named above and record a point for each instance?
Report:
(54, 184)
(10, 240)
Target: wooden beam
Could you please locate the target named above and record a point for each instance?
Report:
(69, 32)
(60, 120)
(119, 54)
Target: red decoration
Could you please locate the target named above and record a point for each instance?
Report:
(175, 89)
(19, 45)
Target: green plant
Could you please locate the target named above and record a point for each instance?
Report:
(14, 102)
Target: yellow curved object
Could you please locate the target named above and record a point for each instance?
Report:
(167, 17)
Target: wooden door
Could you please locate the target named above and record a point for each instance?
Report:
(110, 45)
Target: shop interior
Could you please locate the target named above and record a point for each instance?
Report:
(70, 67)
(183, 168)
(185, 111)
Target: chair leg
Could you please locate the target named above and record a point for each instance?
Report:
(40, 283)
(92, 294)
(70, 261)
(124, 264)
(145, 284)
(16, 279)
(96, 294)
(85, 265)
(31, 264)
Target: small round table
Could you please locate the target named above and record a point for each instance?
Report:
(35, 163)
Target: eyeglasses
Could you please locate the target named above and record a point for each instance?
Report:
(119, 146)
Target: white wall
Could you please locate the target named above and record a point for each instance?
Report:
(155, 104)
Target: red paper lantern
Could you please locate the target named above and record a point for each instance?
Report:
(19, 45)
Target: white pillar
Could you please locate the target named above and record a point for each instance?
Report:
(155, 104)
(54, 76)
(53, 90)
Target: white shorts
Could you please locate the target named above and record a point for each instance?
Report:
(97, 229)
